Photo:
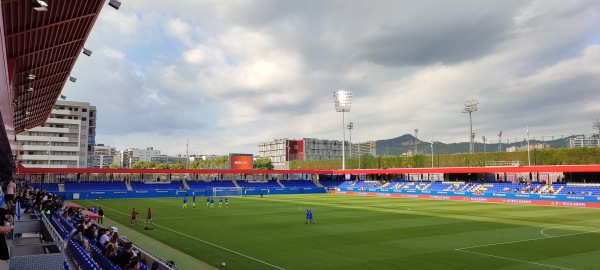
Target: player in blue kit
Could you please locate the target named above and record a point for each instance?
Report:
(207, 202)
(185, 202)
(220, 202)
(212, 203)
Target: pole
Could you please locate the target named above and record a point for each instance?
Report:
(528, 153)
(187, 153)
(471, 133)
(431, 151)
(416, 140)
(343, 141)
(359, 155)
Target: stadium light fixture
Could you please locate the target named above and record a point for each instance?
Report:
(73, 79)
(115, 4)
(470, 107)
(87, 52)
(343, 103)
(29, 89)
(30, 77)
(39, 5)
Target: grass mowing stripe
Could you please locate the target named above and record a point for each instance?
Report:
(516, 260)
(206, 242)
(223, 248)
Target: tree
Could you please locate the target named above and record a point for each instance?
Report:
(114, 165)
(143, 165)
(263, 164)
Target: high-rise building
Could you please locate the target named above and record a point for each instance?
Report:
(66, 140)
(104, 155)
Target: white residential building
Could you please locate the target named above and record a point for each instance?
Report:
(280, 151)
(584, 141)
(104, 155)
(132, 155)
(66, 140)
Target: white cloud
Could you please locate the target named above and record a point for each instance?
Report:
(229, 75)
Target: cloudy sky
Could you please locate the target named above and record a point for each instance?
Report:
(228, 75)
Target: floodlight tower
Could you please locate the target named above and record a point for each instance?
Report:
(483, 138)
(416, 140)
(470, 107)
(343, 101)
(500, 141)
(350, 127)
(597, 125)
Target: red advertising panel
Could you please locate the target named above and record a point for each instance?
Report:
(240, 161)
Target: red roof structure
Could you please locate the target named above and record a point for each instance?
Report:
(41, 50)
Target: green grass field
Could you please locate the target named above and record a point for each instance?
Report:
(369, 233)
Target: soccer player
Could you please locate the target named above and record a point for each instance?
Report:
(149, 218)
(207, 201)
(185, 202)
(226, 202)
(310, 216)
(212, 203)
(134, 216)
(307, 216)
(194, 201)
(220, 202)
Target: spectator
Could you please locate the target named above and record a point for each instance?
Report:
(134, 264)
(91, 233)
(78, 237)
(124, 257)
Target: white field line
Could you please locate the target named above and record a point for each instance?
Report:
(527, 240)
(516, 260)
(206, 242)
(519, 241)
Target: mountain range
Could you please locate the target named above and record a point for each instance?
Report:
(405, 144)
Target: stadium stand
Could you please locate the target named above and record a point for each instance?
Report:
(139, 185)
(269, 184)
(50, 187)
(199, 184)
(331, 183)
(95, 185)
(298, 183)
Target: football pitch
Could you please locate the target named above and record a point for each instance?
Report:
(354, 232)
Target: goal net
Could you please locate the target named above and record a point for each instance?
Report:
(227, 191)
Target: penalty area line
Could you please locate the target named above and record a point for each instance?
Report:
(217, 246)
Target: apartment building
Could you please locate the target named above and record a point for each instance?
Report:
(104, 155)
(280, 151)
(132, 155)
(66, 140)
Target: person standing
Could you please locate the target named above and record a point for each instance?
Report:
(11, 190)
(185, 202)
(101, 214)
(149, 218)
(134, 216)
(194, 201)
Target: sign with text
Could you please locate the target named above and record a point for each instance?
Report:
(240, 161)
